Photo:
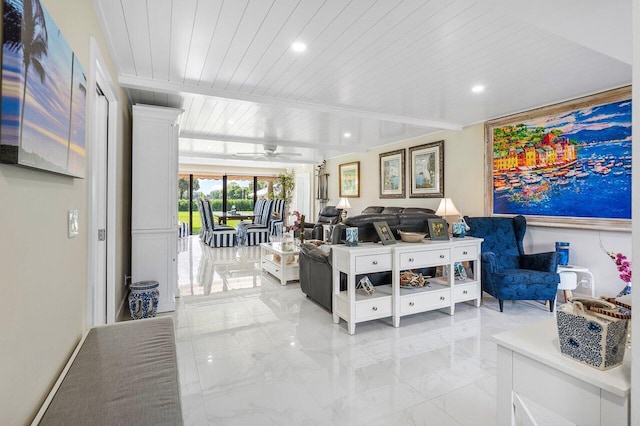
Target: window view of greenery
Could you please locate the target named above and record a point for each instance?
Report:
(239, 195)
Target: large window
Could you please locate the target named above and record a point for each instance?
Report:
(222, 192)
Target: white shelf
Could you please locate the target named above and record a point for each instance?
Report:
(384, 290)
(426, 289)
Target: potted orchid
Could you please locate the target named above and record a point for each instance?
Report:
(624, 269)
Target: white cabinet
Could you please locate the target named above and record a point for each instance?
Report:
(153, 255)
(537, 384)
(352, 306)
(443, 290)
(154, 207)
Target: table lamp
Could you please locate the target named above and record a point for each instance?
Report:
(446, 209)
(343, 205)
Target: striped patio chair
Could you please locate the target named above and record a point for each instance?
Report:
(218, 235)
(206, 227)
(252, 234)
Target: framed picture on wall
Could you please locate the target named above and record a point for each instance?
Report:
(561, 165)
(349, 179)
(427, 170)
(392, 174)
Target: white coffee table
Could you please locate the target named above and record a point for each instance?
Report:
(282, 264)
(569, 279)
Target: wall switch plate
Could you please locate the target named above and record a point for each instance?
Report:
(73, 223)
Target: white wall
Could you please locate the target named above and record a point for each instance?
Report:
(43, 273)
(465, 183)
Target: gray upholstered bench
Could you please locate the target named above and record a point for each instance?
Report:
(124, 373)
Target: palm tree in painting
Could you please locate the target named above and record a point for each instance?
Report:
(34, 44)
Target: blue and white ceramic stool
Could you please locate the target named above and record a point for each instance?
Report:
(569, 279)
(143, 299)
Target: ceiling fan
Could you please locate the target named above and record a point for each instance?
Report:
(269, 153)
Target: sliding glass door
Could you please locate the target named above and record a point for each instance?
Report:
(224, 193)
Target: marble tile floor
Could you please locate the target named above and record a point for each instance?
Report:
(253, 352)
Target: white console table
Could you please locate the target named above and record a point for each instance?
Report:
(391, 300)
(539, 385)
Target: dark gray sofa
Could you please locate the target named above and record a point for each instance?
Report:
(409, 219)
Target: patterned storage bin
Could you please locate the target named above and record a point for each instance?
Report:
(143, 299)
(593, 338)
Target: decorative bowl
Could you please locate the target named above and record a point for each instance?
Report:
(411, 237)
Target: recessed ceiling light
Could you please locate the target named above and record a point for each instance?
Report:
(347, 135)
(231, 122)
(477, 88)
(298, 46)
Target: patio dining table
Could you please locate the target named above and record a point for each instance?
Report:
(224, 216)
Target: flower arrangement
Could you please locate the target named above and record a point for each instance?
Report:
(624, 268)
(296, 223)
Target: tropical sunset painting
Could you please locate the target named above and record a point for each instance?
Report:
(572, 164)
(43, 93)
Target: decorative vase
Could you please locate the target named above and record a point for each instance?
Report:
(143, 299)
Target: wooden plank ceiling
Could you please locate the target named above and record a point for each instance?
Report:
(373, 72)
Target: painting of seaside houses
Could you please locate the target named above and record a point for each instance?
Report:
(43, 93)
(572, 164)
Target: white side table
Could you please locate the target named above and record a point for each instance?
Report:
(569, 279)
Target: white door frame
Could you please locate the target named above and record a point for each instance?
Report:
(99, 76)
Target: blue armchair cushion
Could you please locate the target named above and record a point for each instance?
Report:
(507, 272)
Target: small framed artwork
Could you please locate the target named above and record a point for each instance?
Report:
(427, 170)
(438, 229)
(384, 232)
(392, 174)
(349, 179)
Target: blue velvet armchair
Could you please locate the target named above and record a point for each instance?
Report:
(507, 272)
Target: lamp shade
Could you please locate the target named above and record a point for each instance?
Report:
(343, 204)
(447, 208)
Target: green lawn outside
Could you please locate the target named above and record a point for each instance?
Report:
(184, 217)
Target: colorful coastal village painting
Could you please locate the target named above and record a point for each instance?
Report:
(43, 93)
(571, 164)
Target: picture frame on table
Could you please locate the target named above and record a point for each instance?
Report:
(349, 179)
(426, 170)
(392, 180)
(384, 233)
(438, 229)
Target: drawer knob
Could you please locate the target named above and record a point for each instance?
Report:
(464, 252)
(375, 308)
(375, 262)
(411, 303)
(464, 291)
(411, 259)
(441, 297)
(442, 256)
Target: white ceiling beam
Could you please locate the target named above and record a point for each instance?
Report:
(142, 83)
(186, 155)
(279, 142)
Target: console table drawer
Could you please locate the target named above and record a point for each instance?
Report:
(463, 292)
(376, 308)
(410, 304)
(424, 257)
(373, 263)
(465, 253)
